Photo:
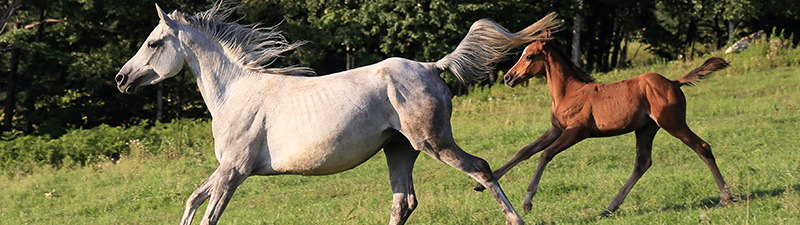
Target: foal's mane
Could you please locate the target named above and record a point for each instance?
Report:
(583, 76)
(254, 48)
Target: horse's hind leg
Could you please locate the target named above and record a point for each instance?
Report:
(525, 153)
(477, 168)
(436, 139)
(644, 146)
(400, 157)
(680, 130)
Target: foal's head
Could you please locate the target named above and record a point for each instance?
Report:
(160, 57)
(531, 63)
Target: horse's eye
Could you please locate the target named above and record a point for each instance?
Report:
(155, 44)
(530, 57)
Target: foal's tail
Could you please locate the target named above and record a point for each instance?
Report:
(486, 43)
(708, 67)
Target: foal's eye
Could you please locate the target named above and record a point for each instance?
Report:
(530, 57)
(155, 44)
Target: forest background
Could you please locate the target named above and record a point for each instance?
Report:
(58, 57)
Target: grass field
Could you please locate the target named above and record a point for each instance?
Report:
(750, 118)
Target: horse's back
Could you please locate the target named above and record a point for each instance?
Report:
(328, 124)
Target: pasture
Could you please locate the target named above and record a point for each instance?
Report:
(749, 116)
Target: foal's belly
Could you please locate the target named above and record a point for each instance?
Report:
(619, 122)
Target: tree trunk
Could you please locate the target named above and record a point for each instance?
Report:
(576, 34)
(731, 29)
(623, 55)
(691, 35)
(160, 102)
(11, 81)
(348, 60)
(617, 42)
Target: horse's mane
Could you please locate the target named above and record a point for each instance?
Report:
(255, 48)
(583, 76)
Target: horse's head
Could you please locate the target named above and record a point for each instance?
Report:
(531, 63)
(160, 57)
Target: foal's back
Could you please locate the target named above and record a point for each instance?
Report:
(620, 107)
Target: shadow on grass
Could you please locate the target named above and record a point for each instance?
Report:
(709, 202)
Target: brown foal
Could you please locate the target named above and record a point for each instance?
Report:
(584, 109)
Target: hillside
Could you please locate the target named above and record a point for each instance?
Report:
(749, 114)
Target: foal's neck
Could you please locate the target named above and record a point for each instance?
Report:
(561, 76)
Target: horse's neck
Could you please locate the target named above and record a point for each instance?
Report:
(213, 71)
(561, 77)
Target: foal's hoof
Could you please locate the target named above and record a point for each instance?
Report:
(479, 187)
(725, 199)
(526, 208)
(725, 202)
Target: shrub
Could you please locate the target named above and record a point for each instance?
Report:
(81, 147)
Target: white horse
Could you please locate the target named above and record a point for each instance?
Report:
(269, 121)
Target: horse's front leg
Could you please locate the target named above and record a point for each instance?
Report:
(223, 183)
(195, 200)
(235, 165)
(525, 153)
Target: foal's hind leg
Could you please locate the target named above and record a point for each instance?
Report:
(400, 157)
(673, 120)
(703, 149)
(525, 153)
(644, 146)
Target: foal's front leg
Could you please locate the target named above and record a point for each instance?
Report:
(568, 138)
(525, 153)
(644, 146)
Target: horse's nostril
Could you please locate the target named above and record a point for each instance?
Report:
(119, 78)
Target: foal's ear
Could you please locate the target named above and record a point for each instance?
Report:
(163, 16)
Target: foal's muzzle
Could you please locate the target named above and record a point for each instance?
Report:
(509, 80)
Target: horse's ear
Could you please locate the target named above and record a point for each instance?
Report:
(163, 16)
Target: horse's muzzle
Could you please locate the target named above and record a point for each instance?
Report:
(123, 83)
(121, 79)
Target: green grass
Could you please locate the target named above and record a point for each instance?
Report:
(749, 115)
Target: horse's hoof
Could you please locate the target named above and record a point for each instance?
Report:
(604, 214)
(479, 187)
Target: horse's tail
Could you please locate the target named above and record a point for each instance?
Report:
(485, 44)
(708, 67)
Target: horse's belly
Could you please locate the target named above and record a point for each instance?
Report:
(322, 157)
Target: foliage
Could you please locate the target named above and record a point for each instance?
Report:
(71, 49)
(102, 144)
